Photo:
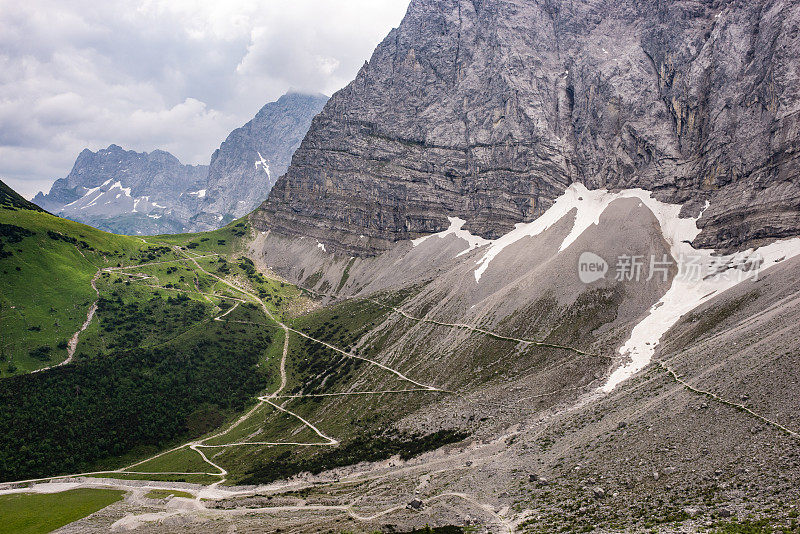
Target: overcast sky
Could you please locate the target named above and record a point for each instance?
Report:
(172, 74)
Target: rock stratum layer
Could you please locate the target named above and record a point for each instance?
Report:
(489, 110)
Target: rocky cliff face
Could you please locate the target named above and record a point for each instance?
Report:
(488, 110)
(244, 168)
(127, 192)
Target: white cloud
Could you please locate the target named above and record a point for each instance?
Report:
(170, 74)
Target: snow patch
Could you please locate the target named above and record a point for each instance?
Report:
(455, 228)
(89, 192)
(118, 185)
(589, 206)
(93, 201)
(93, 195)
(685, 294)
(321, 246)
(263, 164)
(200, 194)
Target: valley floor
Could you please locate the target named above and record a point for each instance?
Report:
(695, 441)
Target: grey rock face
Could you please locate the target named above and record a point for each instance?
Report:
(244, 168)
(488, 110)
(126, 192)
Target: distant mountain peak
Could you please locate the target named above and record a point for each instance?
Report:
(125, 191)
(132, 192)
(245, 166)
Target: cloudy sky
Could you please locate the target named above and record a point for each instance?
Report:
(172, 74)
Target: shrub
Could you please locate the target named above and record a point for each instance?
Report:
(41, 353)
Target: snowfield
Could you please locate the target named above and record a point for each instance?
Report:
(112, 197)
(711, 273)
(456, 224)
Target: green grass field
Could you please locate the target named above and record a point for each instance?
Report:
(47, 264)
(151, 296)
(33, 513)
(163, 494)
(183, 460)
(225, 240)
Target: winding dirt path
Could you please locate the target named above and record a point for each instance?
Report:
(478, 330)
(269, 399)
(714, 396)
(463, 326)
(72, 345)
(73, 342)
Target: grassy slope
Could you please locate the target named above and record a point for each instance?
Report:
(46, 285)
(10, 199)
(133, 315)
(45, 289)
(31, 513)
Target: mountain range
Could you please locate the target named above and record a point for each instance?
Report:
(128, 192)
(535, 269)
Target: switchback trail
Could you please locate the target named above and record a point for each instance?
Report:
(462, 326)
(287, 329)
(200, 445)
(268, 399)
(478, 329)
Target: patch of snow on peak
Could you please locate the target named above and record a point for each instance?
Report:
(93, 201)
(90, 192)
(321, 246)
(455, 228)
(118, 185)
(263, 164)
